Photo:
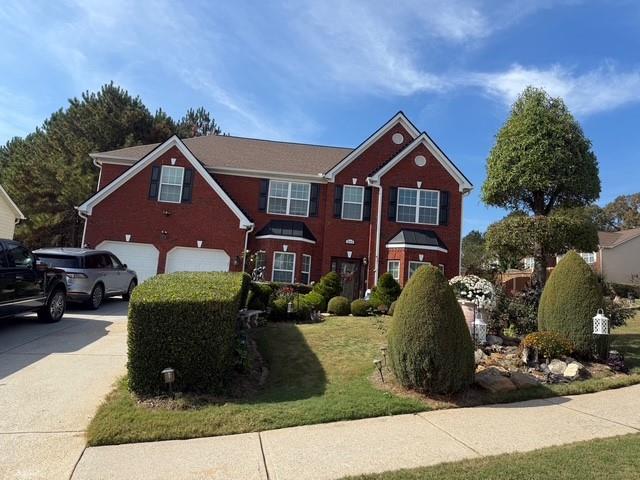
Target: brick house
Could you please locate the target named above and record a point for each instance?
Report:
(391, 204)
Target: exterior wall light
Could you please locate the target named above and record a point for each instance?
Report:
(127, 237)
(199, 243)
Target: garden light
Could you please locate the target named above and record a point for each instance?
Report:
(378, 365)
(169, 376)
(600, 323)
(383, 349)
(290, 307)
(479, 330)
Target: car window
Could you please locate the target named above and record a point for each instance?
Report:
(92, 261)
(60, 261)
(3, 259)
(116, 263)
(19, 256)
(105, 261)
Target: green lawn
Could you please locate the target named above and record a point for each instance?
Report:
(615, 458)
(317, 373)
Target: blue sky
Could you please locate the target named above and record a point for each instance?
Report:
(332, 71)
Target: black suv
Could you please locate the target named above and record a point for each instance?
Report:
(29, 286)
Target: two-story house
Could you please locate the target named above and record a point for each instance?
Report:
(391, 204)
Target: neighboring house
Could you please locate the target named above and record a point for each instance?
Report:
(10, 215)
(391, 204)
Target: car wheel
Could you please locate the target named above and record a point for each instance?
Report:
(54, 309)
(127, 296)
(97, 295)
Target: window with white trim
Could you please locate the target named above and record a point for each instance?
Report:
(171, 179)
(418, 206)
(589, 257)
(413, 266)
(529, 263)
(283, 267)
(306, 269)
(441, 267)
(289, 198)
(352, 202)
(393, 267)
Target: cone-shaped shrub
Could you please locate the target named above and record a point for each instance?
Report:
(329, 286)
(386, 292)
(569, 301)
(430, 347)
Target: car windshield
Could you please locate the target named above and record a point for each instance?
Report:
(60, 261)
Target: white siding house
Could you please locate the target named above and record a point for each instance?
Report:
(10, 214)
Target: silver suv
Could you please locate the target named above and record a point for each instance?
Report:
(92, 275)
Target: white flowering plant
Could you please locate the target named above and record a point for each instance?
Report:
(474, 289)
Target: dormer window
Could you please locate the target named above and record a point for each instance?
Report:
(171, 181)
(289, 198)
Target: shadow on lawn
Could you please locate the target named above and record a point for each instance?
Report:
(629, 345)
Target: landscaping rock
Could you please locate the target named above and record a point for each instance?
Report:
(491, 379)
(494, 340)
(522, 380)
(573, 370)
(557, 366)
(479, 356)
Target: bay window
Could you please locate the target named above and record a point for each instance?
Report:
(393, 267)
(283, 267)
(413, 266)
(306, 269)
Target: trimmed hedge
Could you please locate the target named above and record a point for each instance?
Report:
(339, 306)
(385, 292)
(314, 301)
(570, 299)
(329, 286)
(186, 321)
(360, 308)
(430, 348)
(259, 295)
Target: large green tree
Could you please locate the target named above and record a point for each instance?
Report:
(624, 212)
(541, 168)
(474, 253)
(49, 171)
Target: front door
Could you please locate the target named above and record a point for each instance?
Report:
(350, 272)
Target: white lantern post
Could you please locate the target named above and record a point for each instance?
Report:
(480, 330)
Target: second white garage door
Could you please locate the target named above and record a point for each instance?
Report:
(141, 257)
(186, 259)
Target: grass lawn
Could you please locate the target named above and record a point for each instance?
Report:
(615, 458)
(317, 373)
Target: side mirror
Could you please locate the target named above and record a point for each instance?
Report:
(125, 266)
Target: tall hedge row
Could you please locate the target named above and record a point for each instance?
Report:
(570, 299)
(186, 321)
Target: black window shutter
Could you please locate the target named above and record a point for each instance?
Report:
(444, 208)
(155, 183)
(313, 200)
(366, 206)
(393, 203)
(337, 202)
(264, 194)
(187, 185)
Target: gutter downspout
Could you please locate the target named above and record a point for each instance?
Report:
(246, 242)
(376, 269)
(99, 165)
(84, 229)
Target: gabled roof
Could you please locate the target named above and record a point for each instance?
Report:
(291, 229)
(423, 138)
(174, 141)
(419, 239)
(398, 118)
(225, 153)
(14, 208)
(613, 239)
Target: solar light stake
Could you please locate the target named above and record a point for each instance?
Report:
(169, 376)
(383, 349)
(378, 365)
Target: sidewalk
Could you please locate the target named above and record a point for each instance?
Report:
(334, 450)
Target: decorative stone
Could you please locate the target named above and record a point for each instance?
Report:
(557, 366)
(573, 370)
(479, 356)
(522, 380)
(492, 380)
(494, 340)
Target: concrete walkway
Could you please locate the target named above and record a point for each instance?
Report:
(52, 379)
(334, 450)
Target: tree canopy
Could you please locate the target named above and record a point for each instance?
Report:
(474, 253)
(49, 172)
(541, 162)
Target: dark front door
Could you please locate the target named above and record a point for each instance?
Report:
(350, 272)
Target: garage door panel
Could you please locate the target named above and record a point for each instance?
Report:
(141, 257)
(187, 259)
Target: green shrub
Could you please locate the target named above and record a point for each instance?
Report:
(430, 347)
(279, 309)
(625, 291)
(186, 321)
(360, 308)
(570, 299)
(386, 291)
(548, 344)
(517, 312)
(392, 308)
(339, 306)
(329, 286)
(295, 287)
(259, 296)
(315, 301)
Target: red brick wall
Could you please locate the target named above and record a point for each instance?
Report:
(128, 210)
(109, 173)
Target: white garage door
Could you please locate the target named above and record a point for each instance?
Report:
(186, 259)
(141, 257)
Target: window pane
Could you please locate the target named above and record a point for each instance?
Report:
(306, 263)
(393, 267)
(300, 191)
(277, 205)
(283, 261)
(352, 194)
(279, 189)
(281, 276)
(428, 199)
(170, 193)
(428, 215)
(298, 207)
(407, 196)
(351, 211)
(172, 175)
(406, 214)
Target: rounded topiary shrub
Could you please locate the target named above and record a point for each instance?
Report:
(329, 286)
(315, 301)
(570, 299)
(430, 347)
(339, 306)
(360, 308)
(387, 291)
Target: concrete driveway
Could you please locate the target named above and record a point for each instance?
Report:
(52, 379)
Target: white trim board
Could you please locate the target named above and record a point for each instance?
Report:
(399, 117)
(424, 139)
(174, 141)
(16, 211)
(284, 237)
(416, 247)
